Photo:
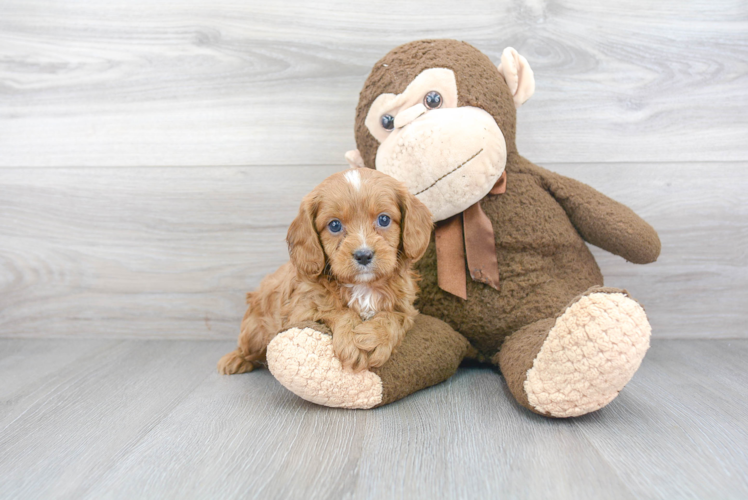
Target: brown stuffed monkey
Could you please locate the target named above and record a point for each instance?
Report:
(507, 278)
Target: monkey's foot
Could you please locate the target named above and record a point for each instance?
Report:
(580, 361)
(302, 360)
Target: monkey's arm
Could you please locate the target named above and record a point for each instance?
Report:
(602, 221)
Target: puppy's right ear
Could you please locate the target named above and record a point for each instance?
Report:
(416, 225)
(303, 241)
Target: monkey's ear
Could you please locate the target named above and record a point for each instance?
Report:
(518, 75)
(303, 242)
(354, 158)
(416, 225)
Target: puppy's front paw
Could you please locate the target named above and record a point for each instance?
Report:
(370, 337)
(350, 356)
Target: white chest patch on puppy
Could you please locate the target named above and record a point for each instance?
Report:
(353, 178)
(363, 300)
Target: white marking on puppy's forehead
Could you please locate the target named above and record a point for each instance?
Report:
(353, 178)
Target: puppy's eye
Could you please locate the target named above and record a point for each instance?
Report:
(432, 100)
(335, 226)
(383, 220)
(388, 122)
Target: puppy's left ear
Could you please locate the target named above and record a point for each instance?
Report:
(416, 225)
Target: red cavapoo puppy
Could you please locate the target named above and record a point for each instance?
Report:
(352, 247)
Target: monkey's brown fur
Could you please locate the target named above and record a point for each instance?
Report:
(540, 223)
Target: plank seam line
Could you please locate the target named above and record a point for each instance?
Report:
(344, 165)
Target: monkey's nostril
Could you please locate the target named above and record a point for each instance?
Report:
(363, 256)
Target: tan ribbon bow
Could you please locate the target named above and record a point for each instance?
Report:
(480, 247)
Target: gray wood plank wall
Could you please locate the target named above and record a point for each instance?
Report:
(153, 153)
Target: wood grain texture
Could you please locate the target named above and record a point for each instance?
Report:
(81, 419)
(31, 370)
(145, 419)
(693, 393)
(170, 252)
(141, 252)
(143, 83)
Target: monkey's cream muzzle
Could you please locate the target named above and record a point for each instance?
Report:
(450, 158)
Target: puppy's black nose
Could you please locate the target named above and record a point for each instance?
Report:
(363, 256)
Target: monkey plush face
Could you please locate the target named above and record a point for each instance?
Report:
(447, 155)
(440, 117)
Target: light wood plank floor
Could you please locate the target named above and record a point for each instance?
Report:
(103, 418)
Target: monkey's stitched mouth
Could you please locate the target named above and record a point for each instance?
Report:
(450, 172)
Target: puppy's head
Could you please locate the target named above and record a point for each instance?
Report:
(359, 226)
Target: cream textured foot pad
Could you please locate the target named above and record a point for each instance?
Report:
(591, 352)
(303, 361)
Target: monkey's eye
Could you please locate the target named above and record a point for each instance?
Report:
(335, 226)
(388, 122)
(433, 100)
(383, 220)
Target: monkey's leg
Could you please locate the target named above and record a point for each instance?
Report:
(302, 359)
(579, 361)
